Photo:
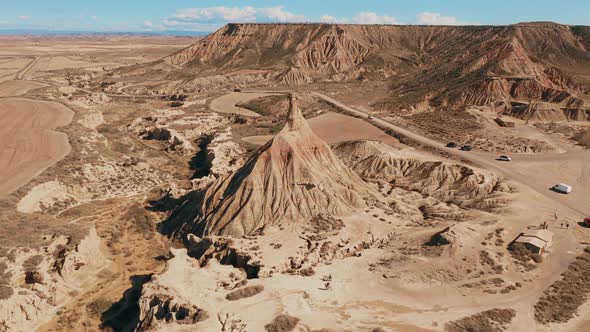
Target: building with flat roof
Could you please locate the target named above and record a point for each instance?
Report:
(537, 240)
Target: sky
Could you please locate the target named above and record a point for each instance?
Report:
(207, 16)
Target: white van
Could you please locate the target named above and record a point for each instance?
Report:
(563, 188)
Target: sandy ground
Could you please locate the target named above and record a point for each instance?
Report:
(29, 58)
(335, 128)
(227, 103)
(31, 148)
(540, 182)
(18, 88)
(29, 144)
(29, 69)
(548, 170)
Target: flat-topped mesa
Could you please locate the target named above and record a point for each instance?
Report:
(294, 177)
(443, 66)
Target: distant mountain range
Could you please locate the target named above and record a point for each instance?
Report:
(39, 32)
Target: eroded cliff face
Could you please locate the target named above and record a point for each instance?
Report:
(169, 298)
(62, 271)
(445, 66)
(294, 176)
(450, 183)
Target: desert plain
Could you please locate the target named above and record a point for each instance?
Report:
(184, 184)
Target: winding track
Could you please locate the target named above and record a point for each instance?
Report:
(520, 170)
(22, 74)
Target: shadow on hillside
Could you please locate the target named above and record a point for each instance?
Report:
(123, 315)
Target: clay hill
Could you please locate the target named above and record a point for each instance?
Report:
(445, 66)
(294, 176)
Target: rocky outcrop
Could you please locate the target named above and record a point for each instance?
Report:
(446, 66)
(176, 129)
(166, 309)
(293, 76)
(335, 50)
(447, 182)
(186, 293)
(63, 271)
(451, 236)
(214, 82)
(583, 138)
(224, 250)
(294, 176)
(539, 111)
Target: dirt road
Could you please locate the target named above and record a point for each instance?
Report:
(28, 143)
(24, 73)
(551, 168)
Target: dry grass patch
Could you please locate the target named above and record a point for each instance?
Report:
(99, 306)
(5, 290)
(494, 320)
(524, 256)
(561, 301)
(244, 292)
(267, 105)
(282, 323)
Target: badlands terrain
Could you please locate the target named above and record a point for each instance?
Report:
(295, 177)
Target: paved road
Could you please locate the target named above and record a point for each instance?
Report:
(579, 201)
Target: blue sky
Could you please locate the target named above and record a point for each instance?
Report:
(203, 15)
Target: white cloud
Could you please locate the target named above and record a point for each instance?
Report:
(361, 18)
(168, 24)
(374, 18)
(327, 19)
(24, 18)
(279, 14)
(367, 17)
(211, 18)
(430, 18)
(330, 19)
(245, 14)
(150, 26)
(236, 14)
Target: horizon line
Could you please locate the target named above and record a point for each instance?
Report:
(41, 31)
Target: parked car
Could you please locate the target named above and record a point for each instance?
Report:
(451, 145)
(504, 158)
(586, 222)
(466, 148)
(562, 188)
(370, 117)
(237, 90)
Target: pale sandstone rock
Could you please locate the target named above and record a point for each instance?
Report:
(72, 270)
(294, 176)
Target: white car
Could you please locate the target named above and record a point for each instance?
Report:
(504, 158)
(562, 188)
